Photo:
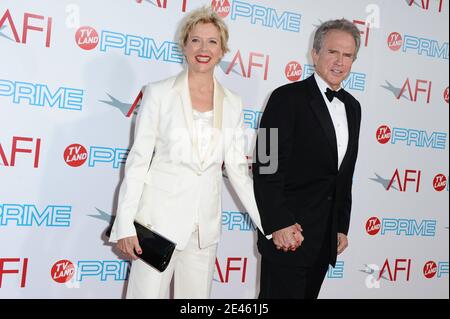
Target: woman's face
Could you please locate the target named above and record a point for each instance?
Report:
(203, 48)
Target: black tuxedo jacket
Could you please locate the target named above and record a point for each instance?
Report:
(307, 188)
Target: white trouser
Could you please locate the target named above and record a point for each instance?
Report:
(193, 268)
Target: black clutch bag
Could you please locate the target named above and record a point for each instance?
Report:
(156, 249)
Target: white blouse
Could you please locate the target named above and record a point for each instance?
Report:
(203, 123)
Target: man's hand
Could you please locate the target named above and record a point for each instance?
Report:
(342, 243)
(129, 245)
(289, 238)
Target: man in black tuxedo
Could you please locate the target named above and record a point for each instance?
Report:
(305, 203)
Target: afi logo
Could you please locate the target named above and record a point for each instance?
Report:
(235, 264)
(410, 176)
(383, 134)
(29, 24)
(62, 271)
(163, 3)
(222, 7)
(439, 182)
(373, 226)
(126, 109)
(293, 71)
(87, 38)
(255, 60)
(446, 95)
(21, 145)
(423, 86)
(424, 4)
(400, 265)
(365, 31)
(76, 155)
(395, 41)
(430, 269)
(20, 270)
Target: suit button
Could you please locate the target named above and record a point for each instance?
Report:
(330, 198)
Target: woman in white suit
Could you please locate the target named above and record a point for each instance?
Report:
(186, 128)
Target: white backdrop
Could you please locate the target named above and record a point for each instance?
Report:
(70, 71)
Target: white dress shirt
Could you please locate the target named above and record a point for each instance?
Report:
(339, 118)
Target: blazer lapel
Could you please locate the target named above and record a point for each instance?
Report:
(181, 85)
(321, 111)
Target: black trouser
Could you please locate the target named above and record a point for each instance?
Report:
(285, 282)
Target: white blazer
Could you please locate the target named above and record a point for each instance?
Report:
(164, 175)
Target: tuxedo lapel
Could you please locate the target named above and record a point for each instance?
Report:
(320, 110)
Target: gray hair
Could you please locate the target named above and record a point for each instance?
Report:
(340, 25)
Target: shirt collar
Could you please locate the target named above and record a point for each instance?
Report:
(323, 86)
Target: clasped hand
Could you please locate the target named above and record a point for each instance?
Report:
(289, 238)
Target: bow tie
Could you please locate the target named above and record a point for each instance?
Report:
(332, 94)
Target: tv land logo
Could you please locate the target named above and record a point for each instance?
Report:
(446, 95)
(76, 155)
(440, 183)
(411, 137)
(258, 14)
(88, 38)
(72, 274)
(21, 145)
(425, 5)
(247, 65)
(431, 269)
(29, 215)
(30, 22)
(355, 80)
(16, 270)
(39, 95)
(293, 71)
(418, 45)
(401, 226)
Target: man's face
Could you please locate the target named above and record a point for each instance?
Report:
(334, 60)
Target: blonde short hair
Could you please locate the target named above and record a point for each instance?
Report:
(204, 14)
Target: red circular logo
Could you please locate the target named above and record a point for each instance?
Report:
(86, 38)
(446, 95)
(430, 269)
(75, 155)
(293, 71)
(222, 7)
(383, 134)
(62, 271)
(395, 41)
(373, 226)
(440, 182)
